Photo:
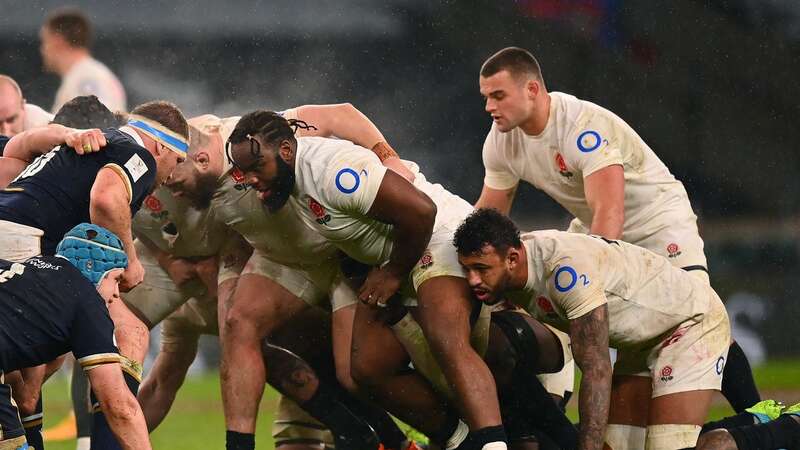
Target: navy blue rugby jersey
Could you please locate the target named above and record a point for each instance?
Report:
(47, 308)
(3, 142)
(52, 193)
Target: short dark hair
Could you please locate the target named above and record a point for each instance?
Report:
(165, 113)
(486, 226)
(72, 25)
(517, 61)
(86, 111)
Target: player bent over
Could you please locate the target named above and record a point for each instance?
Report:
(670, 328)
(49, 308)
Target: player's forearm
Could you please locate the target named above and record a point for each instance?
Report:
(126, 420)
(344, 121)
(608, 222)
(114, 214)
(594, 402)
(30, 144)
(411, 234)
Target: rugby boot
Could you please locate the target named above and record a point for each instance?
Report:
(768, 410)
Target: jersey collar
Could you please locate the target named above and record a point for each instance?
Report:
(132, 133)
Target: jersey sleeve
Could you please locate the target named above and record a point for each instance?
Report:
(92, 331)
(353, 179)
(136, 167)
(594, 146)
(497, 174)
(576, 287)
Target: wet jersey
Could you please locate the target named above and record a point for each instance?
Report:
(336, 184)
(53, 192)
(570, 274)
(47, 308)
(581, 138)
(3, 141)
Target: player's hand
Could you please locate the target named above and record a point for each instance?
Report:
(85, 141)
(207, 270)
(379, 286)
(132, 276)
(181, 271)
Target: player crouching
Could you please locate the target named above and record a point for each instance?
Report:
(670, 329)
(49, 307)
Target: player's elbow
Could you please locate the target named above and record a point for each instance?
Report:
(425, 213)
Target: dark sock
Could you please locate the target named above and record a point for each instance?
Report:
(739, 420)
(738, 385)
(442, 435)
(389, 433)
(480, 437)
(350, 432)
(33, 427)
(79, 391)
(102, 436)
(783, 432)
(239, 441)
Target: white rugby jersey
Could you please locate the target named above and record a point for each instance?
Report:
(581, 138)
(571, 274)
(337, 182)
(35, 117)
(91, 77)
(281, 235)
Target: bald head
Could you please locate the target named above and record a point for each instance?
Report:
(12, 107)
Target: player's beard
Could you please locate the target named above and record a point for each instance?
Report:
(283, 186)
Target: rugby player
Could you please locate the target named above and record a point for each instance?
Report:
(294, 268)
(65, 40)
(17, 115)
(42, 320)
(594, 165)
(665, 324)
(766, 426)
(344, 192)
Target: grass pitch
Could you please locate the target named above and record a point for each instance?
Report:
(196, 420)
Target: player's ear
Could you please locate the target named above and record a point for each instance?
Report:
(512, 257)
(286, 151)
(202, 160)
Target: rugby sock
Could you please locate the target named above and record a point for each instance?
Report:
(33, 427)
(239, 441)
(738, 385)
(389, 433)
(451, 434)
(349, 430)
(783, 432)
(102, 436)
(488, 438)
(739, 420)
(79, 391)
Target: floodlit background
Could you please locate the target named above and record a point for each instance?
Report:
(710, 85)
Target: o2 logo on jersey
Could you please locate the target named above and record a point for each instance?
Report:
(347, 180)
(720, 366)
(589, 141)
(566, 278)
(319, 212)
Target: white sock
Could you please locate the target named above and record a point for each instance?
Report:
(495, 446)
(83, 443)
(462, 430)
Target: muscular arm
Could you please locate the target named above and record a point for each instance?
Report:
(120, 407)
(589, 335)
(109, 207)
(345, 121)
(412, 214)
(500, 200)
(605, 194)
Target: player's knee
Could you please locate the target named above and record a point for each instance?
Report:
(671, 436)
(716, 440)
(238, 325)
(625, 437)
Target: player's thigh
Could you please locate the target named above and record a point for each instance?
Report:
(444, 310)
(262, 304)
(308, 335)
(375, 351)
(680, 408)
(630, 400)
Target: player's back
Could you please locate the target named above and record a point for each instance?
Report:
(42, 301)
(53, 193)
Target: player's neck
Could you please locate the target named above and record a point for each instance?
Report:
(70, 59)
(519, 274)
(537, 122)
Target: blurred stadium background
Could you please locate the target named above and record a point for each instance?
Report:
(711, 85)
